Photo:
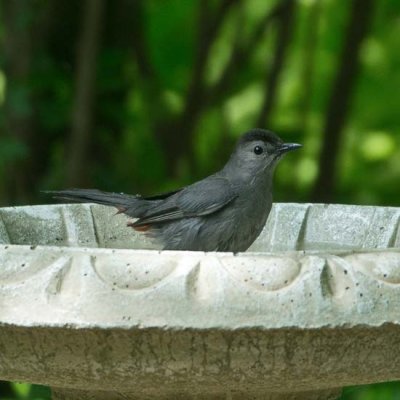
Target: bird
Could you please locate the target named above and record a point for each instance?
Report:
(223, 212)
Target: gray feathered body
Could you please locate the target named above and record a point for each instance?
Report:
(223, 212)
(231, 228)
(234, 212)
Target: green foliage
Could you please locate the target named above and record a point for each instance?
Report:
(125, 154)
(24, 391)
(381, 391)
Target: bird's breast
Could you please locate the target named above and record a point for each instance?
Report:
(251, 213)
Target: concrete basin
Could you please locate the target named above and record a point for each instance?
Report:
(92, 309)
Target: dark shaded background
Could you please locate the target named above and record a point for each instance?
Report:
(147, 95)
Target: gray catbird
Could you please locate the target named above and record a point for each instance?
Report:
(223, 212)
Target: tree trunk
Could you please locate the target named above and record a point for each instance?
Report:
(82, 115)
(18, 115)
(284, 33)
(6, 390)
(340, 100)
(308, 65)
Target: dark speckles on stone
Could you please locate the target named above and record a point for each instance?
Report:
(22, 265)
(32, 247)
(286, 282)
(385, 275)
(345, 271)
(146, 272)
(347, 287)
(361, 295)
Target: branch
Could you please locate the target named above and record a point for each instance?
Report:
(176, 136)
(208, 31)
(240, 54)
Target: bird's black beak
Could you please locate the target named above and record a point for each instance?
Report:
(285, 147)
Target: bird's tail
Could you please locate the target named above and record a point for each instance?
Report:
(121, 201)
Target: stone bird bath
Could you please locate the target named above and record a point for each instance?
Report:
(312, 307)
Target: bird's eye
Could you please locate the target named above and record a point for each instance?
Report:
(258, 150)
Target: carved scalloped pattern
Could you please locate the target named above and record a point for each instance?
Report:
(204, 274)
(262, 272)
(133, 273)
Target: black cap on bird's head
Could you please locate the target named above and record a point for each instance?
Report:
(274, 145)
(256, 154)
(259, 150)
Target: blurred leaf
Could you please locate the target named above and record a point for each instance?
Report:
(38, 392)
(378, 146)
(21, 389)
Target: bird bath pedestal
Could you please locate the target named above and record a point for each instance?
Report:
(313, 306)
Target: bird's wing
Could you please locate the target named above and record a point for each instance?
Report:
(202, 198)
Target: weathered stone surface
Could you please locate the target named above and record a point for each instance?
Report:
(314, 305)
(329, 227)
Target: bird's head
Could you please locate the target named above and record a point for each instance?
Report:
(258, 151)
